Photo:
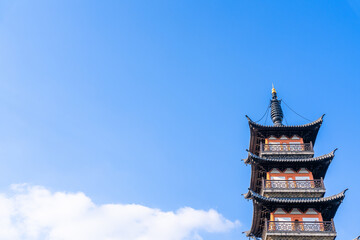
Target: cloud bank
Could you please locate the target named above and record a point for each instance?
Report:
(33, 212)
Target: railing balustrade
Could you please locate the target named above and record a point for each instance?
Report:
(299, 226)
(270, 148)
(293, 184)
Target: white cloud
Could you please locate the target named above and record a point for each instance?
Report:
(33, 212)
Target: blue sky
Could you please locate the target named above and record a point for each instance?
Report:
(143, 102)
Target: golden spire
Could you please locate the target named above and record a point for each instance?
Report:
(273, 89)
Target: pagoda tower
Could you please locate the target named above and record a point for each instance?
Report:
(287, 181)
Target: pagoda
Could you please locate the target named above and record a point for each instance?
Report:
(287, 181)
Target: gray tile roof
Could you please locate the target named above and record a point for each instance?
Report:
(253, 157)
(257, 125)
(255, 196)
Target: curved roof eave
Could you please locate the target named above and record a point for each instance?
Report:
(255, 196)
(257, 125)
(259, 159)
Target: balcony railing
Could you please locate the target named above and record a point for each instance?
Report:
(286, 148)
(293, 184)
(299, 227)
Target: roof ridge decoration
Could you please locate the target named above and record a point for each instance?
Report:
(312, 159)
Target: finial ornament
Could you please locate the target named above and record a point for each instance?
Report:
(273, 89)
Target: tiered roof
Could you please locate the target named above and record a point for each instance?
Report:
(263, 206)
